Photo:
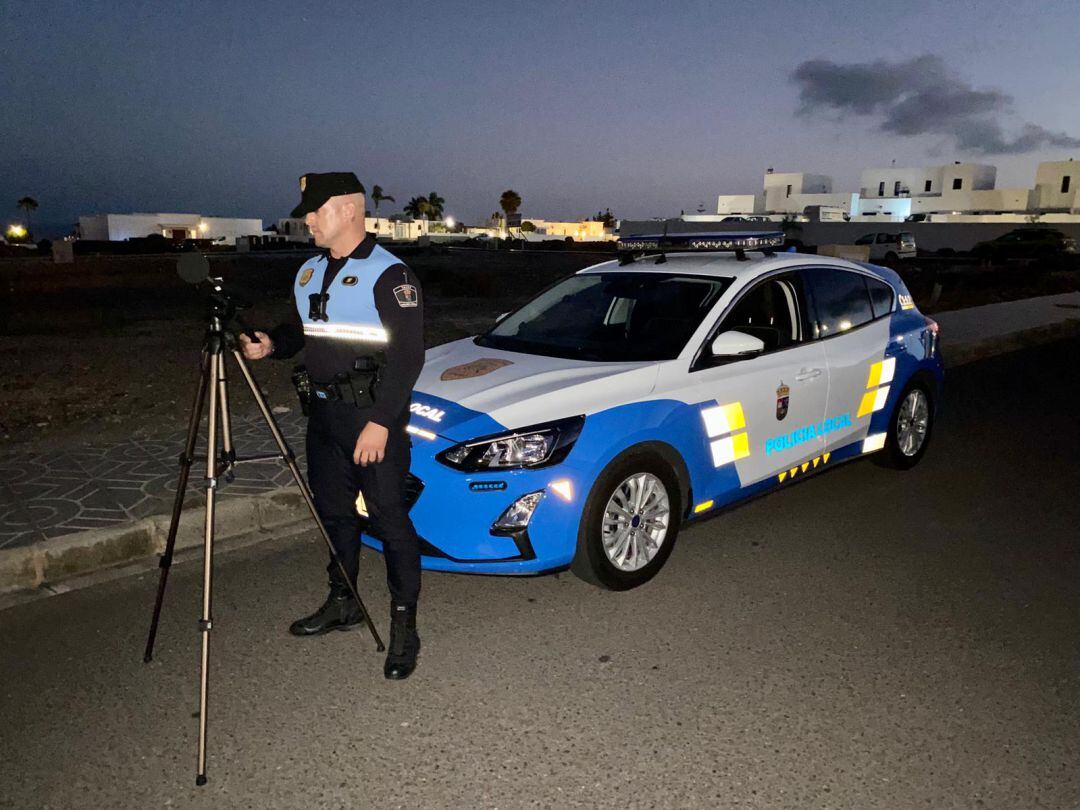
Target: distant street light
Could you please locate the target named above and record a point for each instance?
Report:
(203, 227)
(449, 222)
(16, 231)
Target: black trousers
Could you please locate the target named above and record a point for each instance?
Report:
(333, 428)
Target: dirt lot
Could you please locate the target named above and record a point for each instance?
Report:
(114, 350)
(109, 346)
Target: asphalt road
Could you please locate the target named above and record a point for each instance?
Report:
(866, 638)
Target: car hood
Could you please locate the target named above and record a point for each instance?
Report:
(465, 390)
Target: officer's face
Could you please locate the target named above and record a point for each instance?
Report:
(335, 218)
(325, 224)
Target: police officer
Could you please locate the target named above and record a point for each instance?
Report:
(359, 310)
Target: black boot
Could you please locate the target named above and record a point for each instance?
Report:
(339, 612)
(404, 643)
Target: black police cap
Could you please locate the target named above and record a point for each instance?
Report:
(316, 189)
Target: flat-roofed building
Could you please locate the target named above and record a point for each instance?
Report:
(177, 227)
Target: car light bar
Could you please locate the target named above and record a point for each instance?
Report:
(705, 242)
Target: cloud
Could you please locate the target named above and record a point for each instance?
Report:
(919, 97)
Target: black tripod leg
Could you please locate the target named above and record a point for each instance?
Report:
(178, 503)
(294, 468)
(205, 622)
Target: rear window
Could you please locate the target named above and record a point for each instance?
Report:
(840, 299)
(881, 296)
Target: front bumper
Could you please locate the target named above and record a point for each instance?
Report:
(453, 512)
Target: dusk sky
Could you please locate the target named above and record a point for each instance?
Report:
(643, 107)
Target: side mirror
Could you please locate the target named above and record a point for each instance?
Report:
(497, 320)
(736, 344)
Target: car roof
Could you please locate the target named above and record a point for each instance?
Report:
(727, 265)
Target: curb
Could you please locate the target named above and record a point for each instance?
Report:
(1013, 341)
(51, 561)
(48, 562)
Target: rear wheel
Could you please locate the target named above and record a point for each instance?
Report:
(629, 524)
(909, 428)
(892, 256)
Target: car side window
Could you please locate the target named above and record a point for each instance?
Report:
(774, 311)
(841, 300)
(881, 296)
(884, 238)
(865, 240)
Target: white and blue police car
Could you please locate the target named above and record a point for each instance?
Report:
(588, 426)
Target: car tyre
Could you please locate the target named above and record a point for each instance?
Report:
(892, 256)
(593, 560)
(910, 427)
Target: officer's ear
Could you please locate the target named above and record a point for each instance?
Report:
(353, 208)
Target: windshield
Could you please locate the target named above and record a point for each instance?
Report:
(615, 316)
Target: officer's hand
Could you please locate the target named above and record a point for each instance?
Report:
(256, 351)
(371, 446)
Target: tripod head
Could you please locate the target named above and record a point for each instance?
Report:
(225, 305)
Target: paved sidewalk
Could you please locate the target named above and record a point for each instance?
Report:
(115, 499)
(46, 496)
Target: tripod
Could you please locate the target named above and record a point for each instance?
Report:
(213, 383)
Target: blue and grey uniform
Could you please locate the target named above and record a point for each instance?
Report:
(374, 307)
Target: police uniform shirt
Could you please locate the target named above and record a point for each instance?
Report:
(375, 304)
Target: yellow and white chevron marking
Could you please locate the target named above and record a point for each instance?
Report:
(877, 386)
(726, 428)
(809, 464)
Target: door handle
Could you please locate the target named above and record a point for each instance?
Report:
(807, 374)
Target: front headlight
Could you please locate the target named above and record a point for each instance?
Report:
(537, 446)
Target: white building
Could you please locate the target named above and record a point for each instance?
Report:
(927, 180)
(118, 227)
(893, 194)
(1057, 187)
(396, 227)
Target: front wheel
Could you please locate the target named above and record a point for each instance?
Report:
(629, 524)
(909, 428)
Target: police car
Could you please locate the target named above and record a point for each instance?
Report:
(589, 426)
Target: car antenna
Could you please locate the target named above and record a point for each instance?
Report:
(662, 258)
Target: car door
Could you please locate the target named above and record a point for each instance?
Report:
(760, 414)
(851, 313)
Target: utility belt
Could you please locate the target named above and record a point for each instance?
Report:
(356, 387)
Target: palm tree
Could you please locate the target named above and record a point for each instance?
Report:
(510, 201)
(377, 197)
(435, 205)
(418, 207)
(28, 204)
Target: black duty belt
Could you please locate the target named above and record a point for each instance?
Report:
(355, 388)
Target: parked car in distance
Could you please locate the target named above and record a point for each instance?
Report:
(1026, 243)
(889, 247)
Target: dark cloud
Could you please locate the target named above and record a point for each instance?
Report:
(918, 97)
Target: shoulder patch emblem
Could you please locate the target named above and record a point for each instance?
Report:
(349, 281)
(406, 295)
(305, 277)
(477, 368)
